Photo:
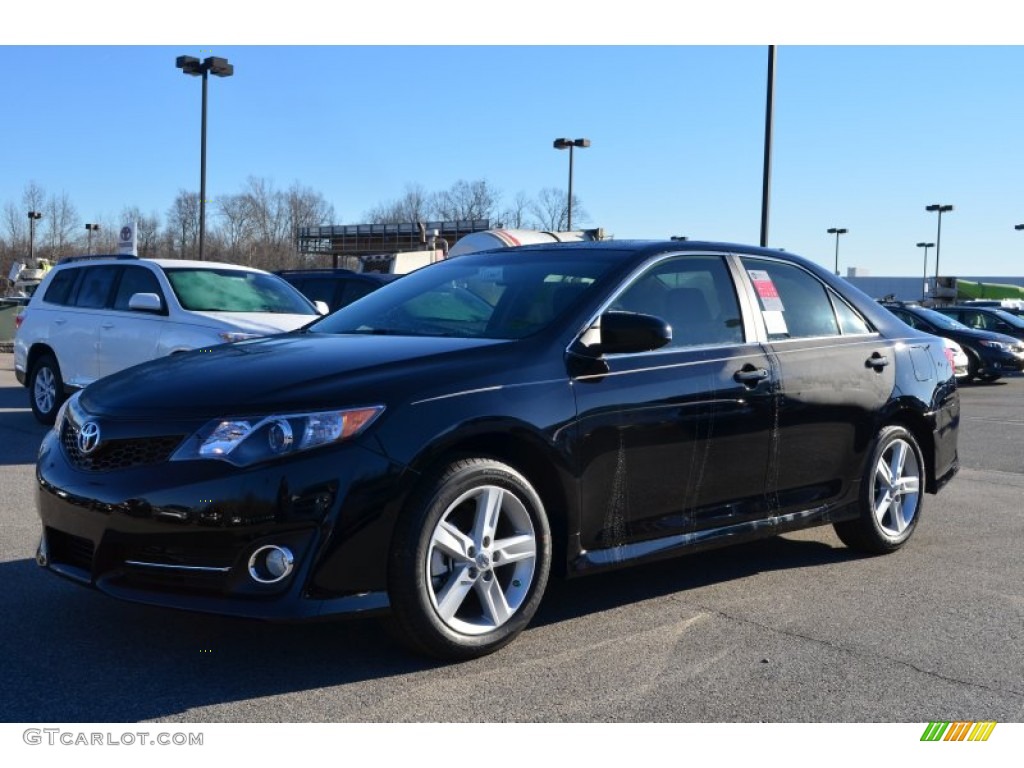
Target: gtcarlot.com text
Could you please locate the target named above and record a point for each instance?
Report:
(60, 737)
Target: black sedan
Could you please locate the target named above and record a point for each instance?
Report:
(436, 450)
(990, 355)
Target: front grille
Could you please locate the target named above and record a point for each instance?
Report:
(117, 454)
(71, 550)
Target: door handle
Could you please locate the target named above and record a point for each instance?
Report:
(749, 376)
(108, 326)
(878, 361)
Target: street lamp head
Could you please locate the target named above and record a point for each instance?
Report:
(189, 65)
(937, 207)
(567, 143)
(219, 67)
(926, 245)
(837, 231)
(1018, 226)
(35, 215)
(92, 227)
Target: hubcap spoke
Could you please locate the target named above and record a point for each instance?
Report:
(452, 542)
(488, 507)
(454, 592)
(514, 548)
(493, 600)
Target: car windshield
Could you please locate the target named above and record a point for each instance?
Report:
(202, 289)
(1009, 318)
(940, 320)
(493, 295)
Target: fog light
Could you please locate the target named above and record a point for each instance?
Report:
(271, 563)
(43, 553)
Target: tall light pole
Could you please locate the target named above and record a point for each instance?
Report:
(940, 209)
(90, 228)
(837, 231)
(190, 65)
(33, 217)
(924, 289)
(569, 144)
(766, 180)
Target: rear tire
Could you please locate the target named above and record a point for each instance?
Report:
(470, 561)
(891, 495)
(45, 389)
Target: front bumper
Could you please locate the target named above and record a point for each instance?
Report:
(181, 534)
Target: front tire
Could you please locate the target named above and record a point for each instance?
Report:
(470, 561)
(46, 389)
(891, 495)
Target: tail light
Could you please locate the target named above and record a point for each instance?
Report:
(19, 319)
(950, 358)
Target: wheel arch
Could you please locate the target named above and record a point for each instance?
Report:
(919, 427)
(538, 461)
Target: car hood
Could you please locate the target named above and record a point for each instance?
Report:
(297, 372)
(262, 323)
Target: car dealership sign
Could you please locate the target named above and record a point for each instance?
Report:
(127, 240)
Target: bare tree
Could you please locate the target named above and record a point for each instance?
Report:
(551, 210)
(466, 200)
(413, 206)
(516, 215)
(61, 225)
(183, 225)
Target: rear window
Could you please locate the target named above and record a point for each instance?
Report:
(59, 290)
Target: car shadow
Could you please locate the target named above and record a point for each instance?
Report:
(75, 655)
(20, 433)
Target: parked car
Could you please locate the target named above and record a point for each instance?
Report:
(438, 449)
(93, 316)
(961, 363)
(337, 288)
(989, 355)
(986, 319)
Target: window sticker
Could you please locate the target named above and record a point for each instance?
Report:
(766, 291)
(775, 323)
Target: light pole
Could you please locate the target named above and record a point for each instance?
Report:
(569, 144)
(766, 178)
(837, 231)
(90, 228)
(190, 65)
(33, 217)
(924, 289)
(940, 209)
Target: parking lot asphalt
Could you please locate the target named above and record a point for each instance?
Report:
(792, 629)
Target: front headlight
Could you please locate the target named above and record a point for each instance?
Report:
(245, 441)
(232, 336)
(994, 344)
(58, 423)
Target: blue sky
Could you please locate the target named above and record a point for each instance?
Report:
(865, 135)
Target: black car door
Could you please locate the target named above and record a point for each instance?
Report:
(836, 374)
(675, 441)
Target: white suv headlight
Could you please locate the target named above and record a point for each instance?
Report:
(249, 440)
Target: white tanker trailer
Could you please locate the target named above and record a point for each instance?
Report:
(493, 239)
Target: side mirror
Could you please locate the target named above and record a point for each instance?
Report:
(145, 302)
(630, 332)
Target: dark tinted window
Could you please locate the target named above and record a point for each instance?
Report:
(136, 280)
(95, 287)
(60, 287)
(694, 294)
(794, 303)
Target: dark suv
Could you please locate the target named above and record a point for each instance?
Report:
(990, 355)
(337, 288)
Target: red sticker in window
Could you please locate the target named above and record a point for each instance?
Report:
(766, 290)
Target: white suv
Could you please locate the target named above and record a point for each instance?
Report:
(93, 316)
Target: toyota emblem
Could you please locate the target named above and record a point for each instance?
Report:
(89, 437)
